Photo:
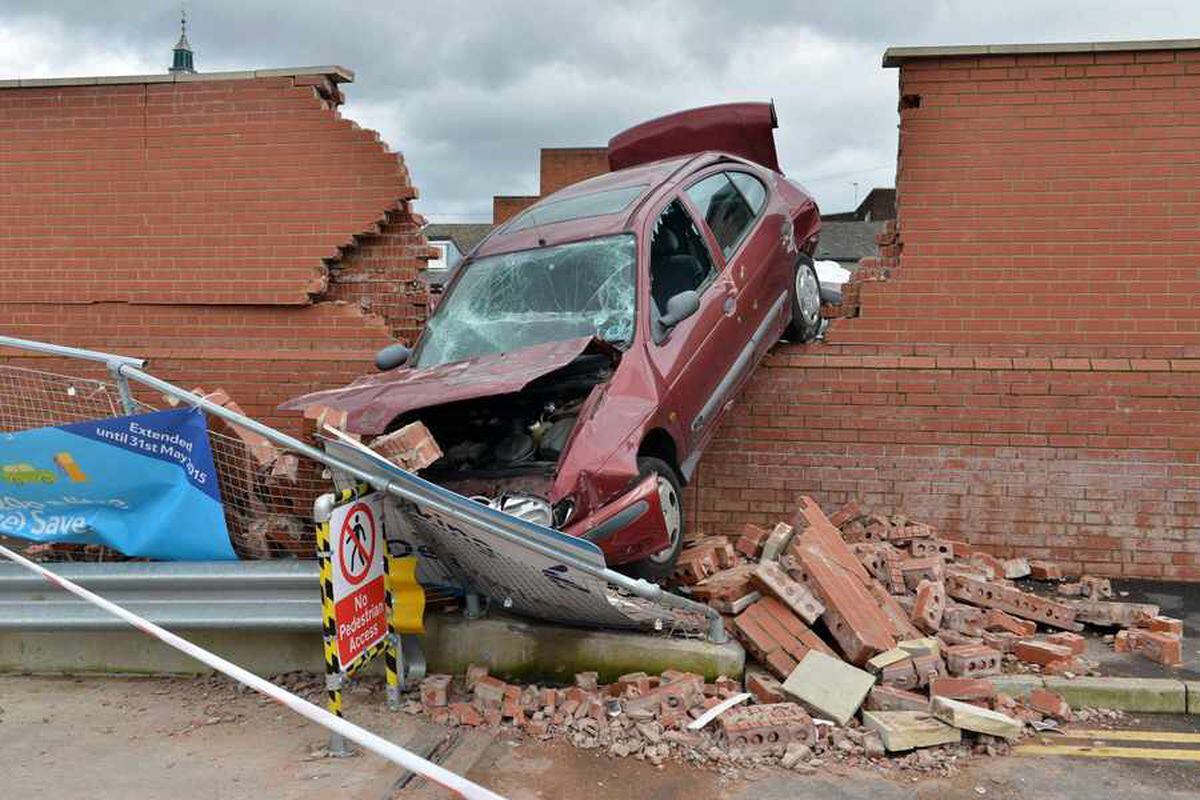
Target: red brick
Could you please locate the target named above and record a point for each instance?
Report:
(1014, 601)
(435, 691)
(997, 620)
(962, 688)
(1163, 624)
(771, 579)
(766, 728)
(1045, 571)
(1073, 641)
(1042, 653)
(750, 543)
(1049, 703)
(973, 660)
(764, 688)
(930, 605)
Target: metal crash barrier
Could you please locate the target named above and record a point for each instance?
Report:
(519, 565)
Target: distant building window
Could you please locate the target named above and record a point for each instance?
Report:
(441, 263)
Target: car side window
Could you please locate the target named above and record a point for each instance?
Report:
(679, 257)
(751, 189)
(725, 210)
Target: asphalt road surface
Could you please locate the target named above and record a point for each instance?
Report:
(176, 738)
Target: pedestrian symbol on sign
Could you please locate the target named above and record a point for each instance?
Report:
(357, 543)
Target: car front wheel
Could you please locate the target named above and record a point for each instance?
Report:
(806, 302)
(660, 565)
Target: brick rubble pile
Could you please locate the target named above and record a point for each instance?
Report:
(865, 636)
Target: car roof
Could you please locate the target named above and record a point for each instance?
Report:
(511, 236)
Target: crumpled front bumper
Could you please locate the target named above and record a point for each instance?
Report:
(629, 527)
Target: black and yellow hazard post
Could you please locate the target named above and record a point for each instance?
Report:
(403, 617)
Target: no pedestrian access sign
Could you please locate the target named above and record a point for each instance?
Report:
(360, 603)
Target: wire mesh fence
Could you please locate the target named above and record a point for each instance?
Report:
(267, 494)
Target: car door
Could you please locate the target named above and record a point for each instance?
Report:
(692, 358)
(751, 245)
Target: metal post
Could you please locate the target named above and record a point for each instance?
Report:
(322, 510)
(127, 402)
(474, 609)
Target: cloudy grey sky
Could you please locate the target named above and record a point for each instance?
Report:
(469, 91)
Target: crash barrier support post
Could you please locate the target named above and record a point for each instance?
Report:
(131, 369)
(351, 732)
(336, 674)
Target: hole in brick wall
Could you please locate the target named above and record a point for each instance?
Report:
(910, 101)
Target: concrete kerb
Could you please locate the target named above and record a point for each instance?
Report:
(512, 648)
(1140, 695)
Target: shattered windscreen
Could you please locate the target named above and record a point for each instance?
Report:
(506, 302)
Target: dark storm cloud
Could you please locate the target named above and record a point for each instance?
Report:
(468, 91)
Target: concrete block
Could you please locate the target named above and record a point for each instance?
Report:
(829, 686)
(920, 647)
(887, 658)
(906, 730)
(973, 718)
(1192, 688)
(777, 542)
(1147, 695)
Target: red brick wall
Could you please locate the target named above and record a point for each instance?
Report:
(1026, 378)
(211, 225)
(563, 166)
(507, 206)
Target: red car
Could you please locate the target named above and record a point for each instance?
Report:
(586, 350)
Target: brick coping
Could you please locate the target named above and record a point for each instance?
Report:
(337, 74)
(895, 56)
(1047, 364)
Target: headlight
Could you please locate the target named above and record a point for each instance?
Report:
(526, 507)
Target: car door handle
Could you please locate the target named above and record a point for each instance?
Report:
(729, 306)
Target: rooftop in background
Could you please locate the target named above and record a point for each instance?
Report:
(847, 241)
(879, 204)
(465, 235)
(895, 56)
(334, 73)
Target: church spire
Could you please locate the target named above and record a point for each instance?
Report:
(182, 61)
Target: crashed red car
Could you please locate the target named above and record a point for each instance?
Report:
(586, 350)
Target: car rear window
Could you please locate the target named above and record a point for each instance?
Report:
(595, 204)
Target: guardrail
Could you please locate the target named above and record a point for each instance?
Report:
(125, 369)
(242, 595)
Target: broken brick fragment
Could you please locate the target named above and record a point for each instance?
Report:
(1006, 598)
(1049, 703)
(1162, 648)
(1045, 571)
(1073, 641)
(997, 620)
(750, 543)
(411, 448)
(1043, 654)
(435, 691)
(764, 687)
(1163, 624)
(930, 605)
(966, 689)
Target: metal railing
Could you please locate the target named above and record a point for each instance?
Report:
(125, 369)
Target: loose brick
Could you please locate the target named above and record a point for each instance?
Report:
(435, 691)
(1163, 625)
(770, 578)
(930, 605)
(1045, 571)
(1049, 703)
(766, 728)
(1044, 654)
(1072, 641)
(765, 688)
(968, 689)
(1014, 601)
(1163, 648)
(750, 543)
(1107, 612)
(891, 698)
(972, 660)
(997, 620)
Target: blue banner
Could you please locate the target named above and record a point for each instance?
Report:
(144, 485)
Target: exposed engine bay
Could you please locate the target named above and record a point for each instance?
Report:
(503, 450)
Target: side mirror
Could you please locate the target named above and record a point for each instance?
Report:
(392, 356)
(680, 307)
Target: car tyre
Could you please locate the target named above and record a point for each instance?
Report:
(670, 491)
(806, 302)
